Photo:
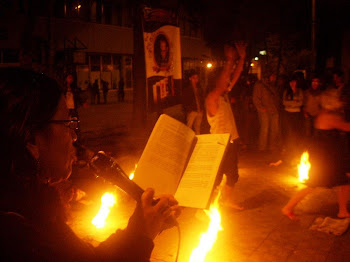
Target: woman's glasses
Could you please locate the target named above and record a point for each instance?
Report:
(72, 123)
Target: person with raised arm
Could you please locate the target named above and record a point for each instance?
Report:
(221, 119)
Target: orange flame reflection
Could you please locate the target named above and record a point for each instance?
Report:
(208, 239)
(304, 167)
(108, 200)
(132, 174)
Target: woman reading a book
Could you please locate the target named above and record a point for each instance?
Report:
(36, 137)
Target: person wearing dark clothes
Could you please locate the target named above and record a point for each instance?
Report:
(329, 167)
(193, 102)
(293, 121)
(344, 95)
(312, 105)
(92, 93)
(36, 137)
(121, 93)
(266, 101)
(96, 92)
(105, 91)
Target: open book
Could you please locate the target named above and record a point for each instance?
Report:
(178, 162)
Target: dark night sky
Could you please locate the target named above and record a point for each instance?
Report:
(252, 19)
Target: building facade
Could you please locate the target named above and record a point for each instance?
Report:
(91, 38)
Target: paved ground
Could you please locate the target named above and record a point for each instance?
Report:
(259, 233)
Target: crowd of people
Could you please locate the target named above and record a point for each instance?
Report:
(290, 114)
(38, 129)
(275, 114)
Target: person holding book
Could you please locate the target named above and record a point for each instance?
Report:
(36, 137)
(221, 119)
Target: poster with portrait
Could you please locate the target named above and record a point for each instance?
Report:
(162, 47)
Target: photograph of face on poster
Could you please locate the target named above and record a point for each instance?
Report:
(162, 53)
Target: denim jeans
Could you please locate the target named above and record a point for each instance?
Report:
(293, 125)
(194, 121)
(269, 131)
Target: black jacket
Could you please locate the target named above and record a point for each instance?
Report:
(33, 228)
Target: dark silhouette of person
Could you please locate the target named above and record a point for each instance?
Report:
(92, 94)
(193, 102)
(121, 92)
(105, 91)
(96, 92)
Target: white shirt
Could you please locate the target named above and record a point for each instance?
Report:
(223, 121)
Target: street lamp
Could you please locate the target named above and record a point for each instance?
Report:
(77, 8)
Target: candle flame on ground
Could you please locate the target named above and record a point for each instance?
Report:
(208, 238)
(108, 200)
(304, 167)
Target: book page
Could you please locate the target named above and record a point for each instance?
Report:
(164, 158)
(199, 177)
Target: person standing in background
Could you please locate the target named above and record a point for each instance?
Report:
(266, 100)
(343, 91)
(121, 93)
(293, 120)
(105, 91)
(193, 102)
(96, 92)
(312, 104)
(73, 96)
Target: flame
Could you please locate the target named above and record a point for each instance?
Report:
(304, 167)
(132, 174)
(208, 238)
(108, 200)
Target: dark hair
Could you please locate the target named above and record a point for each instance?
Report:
(27, 101)
(299, 75)
(293, 78)
(191, 73)
(338, 72)
(289, 91)
(157, 51)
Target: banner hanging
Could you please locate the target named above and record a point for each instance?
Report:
(162, 47)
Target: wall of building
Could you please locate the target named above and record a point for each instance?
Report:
(99, 38)
(83, 40)
(345, 59)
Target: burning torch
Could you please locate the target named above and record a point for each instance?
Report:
(107, 168)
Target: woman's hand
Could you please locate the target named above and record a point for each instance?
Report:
(160, 216)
